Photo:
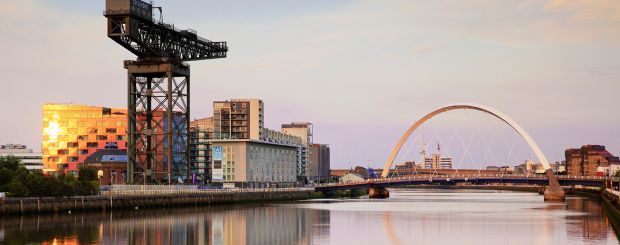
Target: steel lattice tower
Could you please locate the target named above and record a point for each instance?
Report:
(158, 88)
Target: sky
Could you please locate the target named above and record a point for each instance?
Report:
(360, 71)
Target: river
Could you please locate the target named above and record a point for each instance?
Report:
(409, 216)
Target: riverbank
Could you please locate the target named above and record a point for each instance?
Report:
(147, 200)
(163, 199)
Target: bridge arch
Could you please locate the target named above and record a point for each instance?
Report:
(464, 106)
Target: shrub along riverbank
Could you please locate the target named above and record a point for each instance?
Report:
(19, 182)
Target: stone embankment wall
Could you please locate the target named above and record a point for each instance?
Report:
(67, 204)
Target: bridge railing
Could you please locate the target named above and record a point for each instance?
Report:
(138, 192)
(461, 176)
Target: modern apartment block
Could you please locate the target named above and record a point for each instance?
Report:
(319, 162)
(585, 160)
(304, 131)
(239, 150)
(201, 132)
(238, 119)
(72, 132)
(30, 159)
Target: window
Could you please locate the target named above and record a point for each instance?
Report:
(72, 144)
(110, 130)
(121, 137)
(83, 152)
(102, 137)
(92, 144)
(82, 137)
(63, 152)
(93, 130)
(73, 159)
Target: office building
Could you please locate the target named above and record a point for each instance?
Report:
(436, 161)
(586, 160)
(249, 163)
(72, 132)
(30, 159)
(319, 163)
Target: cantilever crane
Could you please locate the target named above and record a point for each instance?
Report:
(158, 88)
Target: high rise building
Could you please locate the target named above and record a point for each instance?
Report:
(201, 132)
(304, 131)
(238, 119)
(30, 159)
(584, 161)
(73, 132)
(319, 163)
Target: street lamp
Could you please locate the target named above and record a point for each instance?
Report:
(99, 175)
(144, 183)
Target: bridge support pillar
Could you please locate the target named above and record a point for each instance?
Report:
(378, 192)
(554, 191)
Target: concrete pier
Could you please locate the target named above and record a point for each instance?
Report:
(378, 192)
(554, 191)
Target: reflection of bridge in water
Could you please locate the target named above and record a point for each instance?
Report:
(553, 191)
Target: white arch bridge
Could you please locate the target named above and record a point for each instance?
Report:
(552, 192)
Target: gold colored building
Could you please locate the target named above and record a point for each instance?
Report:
(73, 132)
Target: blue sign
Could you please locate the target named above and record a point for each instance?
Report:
(217, 153)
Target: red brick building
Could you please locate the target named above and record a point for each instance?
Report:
(585, 160)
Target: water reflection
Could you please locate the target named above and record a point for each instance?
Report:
(408, 217)
(275, 224)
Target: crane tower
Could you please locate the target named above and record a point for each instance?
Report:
(158, 83)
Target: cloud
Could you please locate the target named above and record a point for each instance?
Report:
(365, 64)
(586, 10)
(422, 49)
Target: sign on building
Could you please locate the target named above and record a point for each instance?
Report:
(218, 172)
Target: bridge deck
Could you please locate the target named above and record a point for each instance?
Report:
(453, 179)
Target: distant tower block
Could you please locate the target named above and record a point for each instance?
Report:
(158, 89)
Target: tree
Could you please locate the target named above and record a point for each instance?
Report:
(67, 184)
(5, 177)
(87, 188)
(17, 189)
(87, 173)
(36, 185)
(10, 163)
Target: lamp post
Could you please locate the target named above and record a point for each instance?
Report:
(99, 175)
(144, 183)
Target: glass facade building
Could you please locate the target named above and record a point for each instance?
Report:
(72, 132)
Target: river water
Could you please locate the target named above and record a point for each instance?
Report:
(409, 216)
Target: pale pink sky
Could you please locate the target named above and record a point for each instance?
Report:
(361, 71)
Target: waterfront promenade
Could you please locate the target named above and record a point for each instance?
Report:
(137, 199)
